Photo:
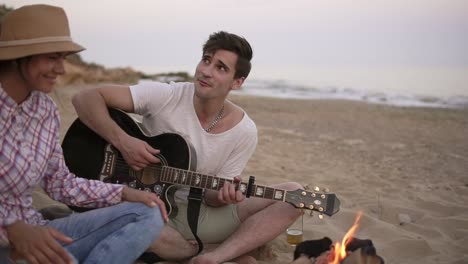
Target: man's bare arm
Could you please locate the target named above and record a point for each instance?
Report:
(91, 106)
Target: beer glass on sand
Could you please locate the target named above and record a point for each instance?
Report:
(295, 233)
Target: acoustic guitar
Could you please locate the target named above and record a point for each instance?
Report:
(89, 156)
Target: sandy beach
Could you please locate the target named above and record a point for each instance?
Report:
(406, 169)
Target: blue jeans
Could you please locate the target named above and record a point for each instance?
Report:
(115, 234)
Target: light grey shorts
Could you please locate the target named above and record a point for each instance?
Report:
(214, 224)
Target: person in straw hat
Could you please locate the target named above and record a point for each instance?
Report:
(34, 41)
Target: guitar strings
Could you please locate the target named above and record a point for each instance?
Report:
(158, 168)
(121, 164)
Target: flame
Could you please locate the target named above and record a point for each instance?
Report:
(339, 251)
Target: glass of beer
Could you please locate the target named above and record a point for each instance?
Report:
(294, 236)
(295, 233)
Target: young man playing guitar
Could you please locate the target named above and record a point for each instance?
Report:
(224, 138)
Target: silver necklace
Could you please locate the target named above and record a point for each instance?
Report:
(216, 120)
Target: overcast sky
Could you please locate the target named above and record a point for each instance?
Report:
(168, 34)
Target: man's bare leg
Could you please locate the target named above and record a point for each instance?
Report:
(262, 221)
(172, 246)
(245, 259)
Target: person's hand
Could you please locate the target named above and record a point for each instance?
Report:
(228, 193)
(137, 153)
(148, 198)
(38, 244)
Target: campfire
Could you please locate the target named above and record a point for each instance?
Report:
(339, 251)
(351, 250)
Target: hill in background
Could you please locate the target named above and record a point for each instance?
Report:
(82, 72)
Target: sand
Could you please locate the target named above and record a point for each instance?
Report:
(406, 169)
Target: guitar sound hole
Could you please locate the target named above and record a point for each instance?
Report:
(148, 176)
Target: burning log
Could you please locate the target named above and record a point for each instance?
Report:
(313, 248)
(350, 251)
(359, 251)
(340, 251)
(362, 256)
(362, 252)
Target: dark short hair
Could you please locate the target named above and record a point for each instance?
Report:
(7, 64)
(226, 41)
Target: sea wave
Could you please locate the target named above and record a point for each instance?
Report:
(286, 89)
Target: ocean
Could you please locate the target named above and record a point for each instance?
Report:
(288, 89)
(398, 86)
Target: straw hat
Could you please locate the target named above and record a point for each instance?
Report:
(35, 29)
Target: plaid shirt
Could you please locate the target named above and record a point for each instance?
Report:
(30, 154)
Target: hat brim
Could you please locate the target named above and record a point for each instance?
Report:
(15, 52)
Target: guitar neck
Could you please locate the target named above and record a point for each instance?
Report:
(194, 179)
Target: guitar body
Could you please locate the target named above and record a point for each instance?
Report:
(90, 156)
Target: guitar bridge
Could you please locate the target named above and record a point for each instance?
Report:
(108, 164)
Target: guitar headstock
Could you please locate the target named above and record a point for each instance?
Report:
(323, 202)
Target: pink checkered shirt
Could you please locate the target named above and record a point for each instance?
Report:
(30, 154)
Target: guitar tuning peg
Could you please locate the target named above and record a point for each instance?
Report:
(317, 189)
(320, 216)
(326, 190)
